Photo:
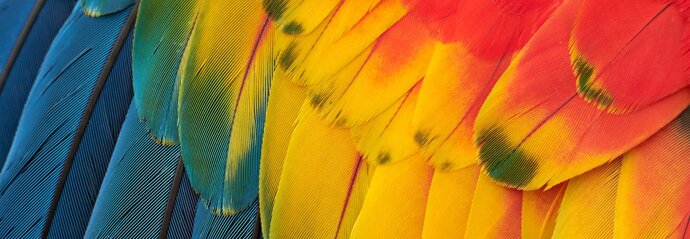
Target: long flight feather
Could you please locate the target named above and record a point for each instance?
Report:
(48, 165)
(28, 29)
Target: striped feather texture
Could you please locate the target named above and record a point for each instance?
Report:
(281, 120)
(55, 122)
(241, 225)
(226, 75)
(91, 159)
(28, 29)
(141, 189)
(160, 37)
(97, 8)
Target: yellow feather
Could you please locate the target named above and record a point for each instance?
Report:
(396, 201)
(495, 211)
(319, 171)
(285, 100)
(454, 87)
(588, 208)
(449, 203)
(339, 45)
(539, 210)
(301, 16)
(653, 194)
(385, 138)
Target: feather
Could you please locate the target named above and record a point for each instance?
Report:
(384, 139)
(160, 37)
(68, 127)
(353, 27)
(395, 203)
(589, 198)
(284, 102)
(397, 61)
(139, 193)
(28, 29)
(533, 130)
(97, 8)
(619, 48)
(211, 225)
(448, 207)
(496, 211)
(465, 65)
(299, 16)
(455, 86)
(315, 146)
(539, 210)
(225, 78)
(652, 196)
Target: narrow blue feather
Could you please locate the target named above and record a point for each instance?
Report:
(51, 123)
(22, 71)
(14, 15)
(240, 225)
(90, 162)
(133, 201)
(182, 220)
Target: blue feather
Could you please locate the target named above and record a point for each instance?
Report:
(15, 15)
(24, 41)
(54, 121)
(135, 199)
(90, 162)
(182, 220)
(240, 225)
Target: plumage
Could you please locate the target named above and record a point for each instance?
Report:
(222, 102)
(504, 205)
(281, 120)
(652, 190)
(137, 193)
(589, 198)
(322, 212)
(632, 46)
(449, 202)
(28, 28)
(534, 131)
(159, 42)
(345, 119)
(97, 8)
(396, 201)
(57, 148)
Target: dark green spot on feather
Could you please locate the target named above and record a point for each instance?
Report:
(293, 28)
(503, 161)
(421, 138)
(318, 100)
(584, 72)
(288, 57)
(275, 8)
(384, 158)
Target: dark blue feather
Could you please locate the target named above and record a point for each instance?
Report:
(135, 199)
(24, 40)
(15, 15)
(240, 225)
(90, 162)
(54, 121)
(182, 220)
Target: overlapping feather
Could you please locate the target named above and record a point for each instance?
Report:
(28, 29)
(68, 128)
